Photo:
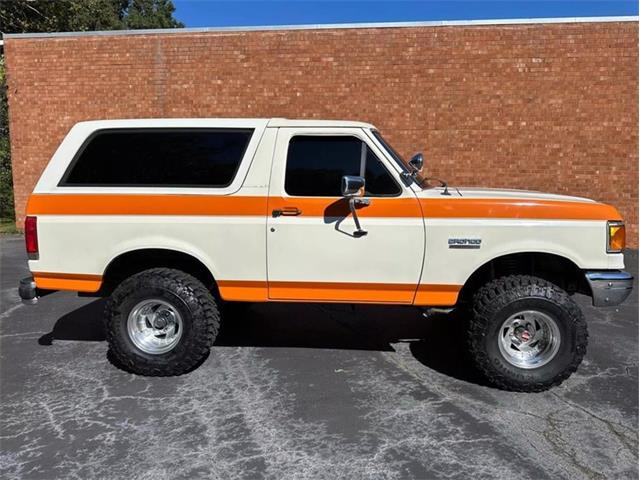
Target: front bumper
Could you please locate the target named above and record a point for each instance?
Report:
(609, 287)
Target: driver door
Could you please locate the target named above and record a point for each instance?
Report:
(312, 251)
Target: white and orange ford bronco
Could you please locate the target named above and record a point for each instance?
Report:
(171, 218)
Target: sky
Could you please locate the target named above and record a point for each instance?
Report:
(213, 13)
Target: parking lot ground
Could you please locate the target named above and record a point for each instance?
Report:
(304, 391)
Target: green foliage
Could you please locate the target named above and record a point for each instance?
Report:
(85, 15)
(8, 227)
(6, 181)
(150, 14)
(20, 16)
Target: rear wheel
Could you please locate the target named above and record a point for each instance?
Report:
(161, 322)
(526, 334)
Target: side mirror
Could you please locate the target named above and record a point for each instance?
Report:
(416, 162)
(352, 187)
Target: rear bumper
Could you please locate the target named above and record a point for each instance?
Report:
(29, 292)
(609, 287)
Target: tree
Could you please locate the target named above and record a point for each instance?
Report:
(85, 15)
(6, 180)
(20, 16)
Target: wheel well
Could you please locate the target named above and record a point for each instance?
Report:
(556, 269)
(130, 263)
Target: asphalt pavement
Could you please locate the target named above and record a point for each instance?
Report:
(306, 392)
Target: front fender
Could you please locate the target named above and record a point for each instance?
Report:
(583, 242)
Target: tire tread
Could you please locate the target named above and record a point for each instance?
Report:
(497, 294)
(206, 321)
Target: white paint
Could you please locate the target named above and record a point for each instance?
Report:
(325, 249)
(581, 241)
(232, 248)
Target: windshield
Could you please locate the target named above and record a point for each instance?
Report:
(395, 155)
(419, 179)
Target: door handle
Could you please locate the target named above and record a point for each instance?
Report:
(287, 212)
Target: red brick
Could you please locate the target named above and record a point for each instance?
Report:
(549, 107)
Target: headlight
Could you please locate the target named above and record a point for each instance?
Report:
(615, 236)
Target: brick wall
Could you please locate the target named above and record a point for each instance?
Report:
(550, 107)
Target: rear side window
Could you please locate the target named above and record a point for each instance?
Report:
(316, 165)
(159, 157)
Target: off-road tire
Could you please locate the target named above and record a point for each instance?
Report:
(196, 305)
(495, 302)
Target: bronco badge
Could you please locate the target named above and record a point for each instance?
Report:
(465, 242)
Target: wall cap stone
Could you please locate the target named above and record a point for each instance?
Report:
(330, 26)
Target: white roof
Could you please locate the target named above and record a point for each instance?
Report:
(286, 122)
(217, 123)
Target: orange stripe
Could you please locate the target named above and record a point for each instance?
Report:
(115, 204)
(235, 205)
(517, 208)
(124, 204)
(383, 293)
(342, 292)
(68, 281)
(243, 290)
(259, 291)
(437, 295)
(339, 207)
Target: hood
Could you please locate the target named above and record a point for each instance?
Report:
(501, 193)
(499, 203)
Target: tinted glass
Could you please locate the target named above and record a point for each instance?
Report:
(160, 157)
(316, 165)
(378, 180)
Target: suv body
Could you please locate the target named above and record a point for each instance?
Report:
(253, 210)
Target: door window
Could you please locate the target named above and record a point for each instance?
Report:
(316, 165)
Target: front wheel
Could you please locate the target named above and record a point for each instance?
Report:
(526, 334)
(161, 322)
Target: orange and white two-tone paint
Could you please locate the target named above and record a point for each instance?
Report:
(254, 256)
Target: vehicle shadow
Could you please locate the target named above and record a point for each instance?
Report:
(83, 324)
(436, 341)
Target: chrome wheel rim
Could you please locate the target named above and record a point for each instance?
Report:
(154, 326)
(529, 339)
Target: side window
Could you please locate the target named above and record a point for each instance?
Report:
(159, 157)
(316, 165)
(378, 180)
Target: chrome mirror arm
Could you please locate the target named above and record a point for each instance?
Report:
(352, 188)
(353, 203)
